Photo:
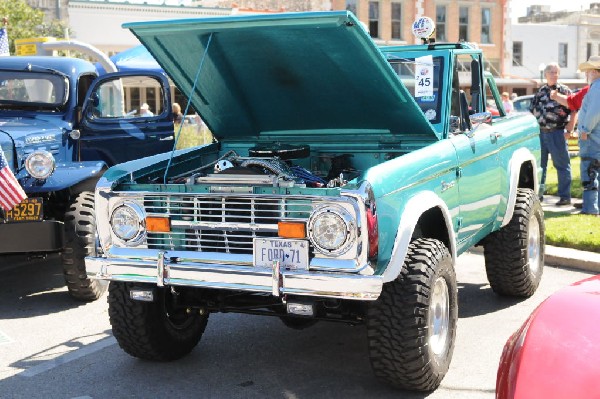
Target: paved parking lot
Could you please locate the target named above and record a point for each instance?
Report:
(51, 346)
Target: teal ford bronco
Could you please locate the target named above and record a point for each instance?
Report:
(343, 182)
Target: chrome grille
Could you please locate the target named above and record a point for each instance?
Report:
(221, 223)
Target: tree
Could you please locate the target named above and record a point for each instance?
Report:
(26, 22)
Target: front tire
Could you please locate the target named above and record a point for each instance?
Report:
(411, 327)
(514, 255)
(155, 330)
(80, 236)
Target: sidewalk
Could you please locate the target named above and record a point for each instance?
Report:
(568, 257)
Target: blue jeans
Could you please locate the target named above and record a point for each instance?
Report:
(590, 168)
(555, 144)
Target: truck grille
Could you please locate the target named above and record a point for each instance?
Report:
(219, 223)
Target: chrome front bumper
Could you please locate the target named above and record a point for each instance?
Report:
(189, 269)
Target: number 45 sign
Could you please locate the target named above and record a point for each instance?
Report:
(424, 76)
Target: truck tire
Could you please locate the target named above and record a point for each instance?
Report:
(80, 237)
(153, 330)
(514, 255)
(411, 328)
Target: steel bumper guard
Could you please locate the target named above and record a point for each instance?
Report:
(182, 269)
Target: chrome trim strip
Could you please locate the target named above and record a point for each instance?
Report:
(160, 267)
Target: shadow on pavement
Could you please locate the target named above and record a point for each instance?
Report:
(30, 288)
(479, 299)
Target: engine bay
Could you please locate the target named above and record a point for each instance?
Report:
(276, 165)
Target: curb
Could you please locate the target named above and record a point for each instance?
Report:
(565, 257)
(572, 258)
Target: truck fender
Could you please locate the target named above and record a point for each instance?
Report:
(64, 176)
(415, 207)
(518, 158)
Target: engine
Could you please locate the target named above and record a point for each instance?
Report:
(274, 166)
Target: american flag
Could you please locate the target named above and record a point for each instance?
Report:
(11, 192)
(4, 49)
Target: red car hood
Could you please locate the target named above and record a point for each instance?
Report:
(556, 353)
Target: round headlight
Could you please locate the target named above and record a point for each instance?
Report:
(40, 164)
(126, 222)
(330, 230)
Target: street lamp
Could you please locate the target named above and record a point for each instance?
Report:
(541, 68)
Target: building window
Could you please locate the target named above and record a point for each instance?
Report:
(517, 54)
(463, 24)
(563, 54)
(374, 18)
(486, 25)
(351, 6)
(440, 22)
(588, 51)
(397, 21)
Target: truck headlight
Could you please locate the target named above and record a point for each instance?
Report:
(331, 230)
(127, 222)
(40, 164)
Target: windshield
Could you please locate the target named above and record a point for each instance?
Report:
(21, 88)
(422, 77)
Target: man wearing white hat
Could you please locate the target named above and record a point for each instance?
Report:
(589, 137)
(145, 110)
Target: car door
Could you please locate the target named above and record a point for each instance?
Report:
(113, 125)
(477, 148)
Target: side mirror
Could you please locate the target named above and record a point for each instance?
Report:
(454, 124)
(480, 118)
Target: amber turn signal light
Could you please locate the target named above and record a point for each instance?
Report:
(158, 224)
(291, 229)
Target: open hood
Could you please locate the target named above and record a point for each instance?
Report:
(283, 72)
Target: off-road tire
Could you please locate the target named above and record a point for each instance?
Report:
(514, 255)
(80, 236)
(153, 330)
(399, 326)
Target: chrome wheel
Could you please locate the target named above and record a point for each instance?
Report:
(533, 245)
(439, 317)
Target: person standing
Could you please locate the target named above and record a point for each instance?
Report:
(507, 103)
(589, 138)
(555, 127)
(177, 115)
(573, 101)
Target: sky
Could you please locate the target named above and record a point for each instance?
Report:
(519, 7)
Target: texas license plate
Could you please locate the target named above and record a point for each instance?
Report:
(29, 210)
(291, 254)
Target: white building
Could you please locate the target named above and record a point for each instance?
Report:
(566, 37)
(99, 23)
(535, 45)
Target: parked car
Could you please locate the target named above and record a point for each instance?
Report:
(522, 103)
(555, 352)
(61, 127)
(343, 182)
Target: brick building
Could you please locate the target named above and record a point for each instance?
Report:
(482, 22)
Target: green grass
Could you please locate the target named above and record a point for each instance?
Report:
(573, 231)
(552, 179)
(191, 136)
